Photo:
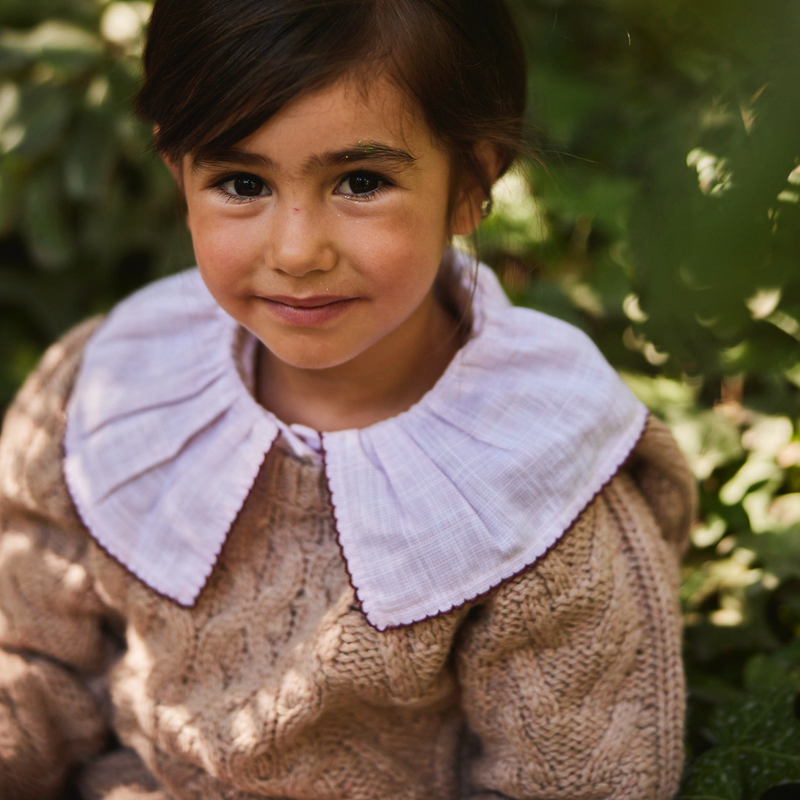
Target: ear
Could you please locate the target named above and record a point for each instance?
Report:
(467, 211)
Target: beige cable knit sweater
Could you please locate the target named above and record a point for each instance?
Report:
(564, 683)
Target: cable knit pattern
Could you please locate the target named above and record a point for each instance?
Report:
(564, 683)
(52, 712)
(585, 644)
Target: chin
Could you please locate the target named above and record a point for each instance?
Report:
(310, 358)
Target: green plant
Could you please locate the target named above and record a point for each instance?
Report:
(661, 216)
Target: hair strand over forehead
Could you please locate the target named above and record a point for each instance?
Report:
(217, 70)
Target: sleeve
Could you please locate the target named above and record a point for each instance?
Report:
(571, 673)
(667, 483)
(53, 648)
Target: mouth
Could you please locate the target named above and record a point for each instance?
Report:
(308, 312)
(315, 301)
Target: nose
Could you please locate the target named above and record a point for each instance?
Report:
(299, 240)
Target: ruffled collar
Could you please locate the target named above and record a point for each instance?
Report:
(433, 507)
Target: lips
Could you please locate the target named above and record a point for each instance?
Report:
(314, 301)
(308, 312)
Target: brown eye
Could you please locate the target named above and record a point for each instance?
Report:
(362, 184)
(247, 186)
(242, 188)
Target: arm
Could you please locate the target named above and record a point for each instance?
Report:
(53, 651)
(572, 678)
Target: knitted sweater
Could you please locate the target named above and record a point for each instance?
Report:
(563, 683)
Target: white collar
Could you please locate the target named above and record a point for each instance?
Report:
(433, 507)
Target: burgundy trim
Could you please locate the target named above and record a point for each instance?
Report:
(73, 504)
(127, 569)
(227, 536)
(460, 606)
(131, 572)
(336, 529)
(452, 610)
(103, 548)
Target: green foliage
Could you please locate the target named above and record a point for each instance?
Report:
(87, 214)
(660, 213)
(755, 748)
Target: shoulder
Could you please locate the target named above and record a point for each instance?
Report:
(161, 307)
(660, 472)
(30, 443)
(643, 512)
(588, 639)
(613, 571)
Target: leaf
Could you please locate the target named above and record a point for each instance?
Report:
(765, 349)
(756, 748)
(42, 115)
(762, 671)
(550, 297)
(777, 552)
(712, 688)
(714, 776)
(68, 49)
(90, 156)
(756, 470)
(44, 220)
(708, 440)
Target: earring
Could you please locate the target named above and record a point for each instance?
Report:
(486, 207)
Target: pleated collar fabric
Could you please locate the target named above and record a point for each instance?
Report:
(433, 507)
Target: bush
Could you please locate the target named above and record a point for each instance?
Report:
(661, 215)
(87, 213)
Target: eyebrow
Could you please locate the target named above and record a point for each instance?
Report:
(363, 151)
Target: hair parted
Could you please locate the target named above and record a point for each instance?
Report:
(217, 70)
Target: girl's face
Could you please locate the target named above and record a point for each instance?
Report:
(323, 231)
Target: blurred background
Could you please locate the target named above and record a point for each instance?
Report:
(661, 215)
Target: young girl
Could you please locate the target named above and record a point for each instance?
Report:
(466, 587)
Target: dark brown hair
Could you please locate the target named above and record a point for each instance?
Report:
(217, 70)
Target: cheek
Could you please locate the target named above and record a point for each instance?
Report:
(401, 280)
(407, 251)
(223, 248)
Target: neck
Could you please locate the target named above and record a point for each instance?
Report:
(384, 380)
